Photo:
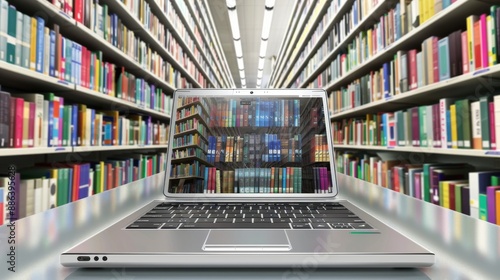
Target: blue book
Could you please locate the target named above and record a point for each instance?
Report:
(68, 66)
(278, 150)
(444, 59)
(448, 129)
(296, 113)
(74, 125)
(387, 80)
(92, 127)
(52, 60)
(69, 184)
(233, 110)
(283, 179)
(397, 14)
(205, 180)
(79, 64)
(446, 3)
(258, 106)
(83, 190)
(355, 12)
(272, 106)
(40, 43)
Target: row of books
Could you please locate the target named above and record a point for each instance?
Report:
(27, 41)
(193, 125)
(436, 60)
(255, 148)
(200, 13)
(439, 60)
(253, 180)
(211, 57)
(456, 186)
(44, 187)
(450, 124)
(44, 120)
(358, 11)
(261, 113)
(319, 149)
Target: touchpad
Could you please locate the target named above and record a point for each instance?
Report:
(247, 240)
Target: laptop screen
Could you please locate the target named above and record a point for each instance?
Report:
(250, 144)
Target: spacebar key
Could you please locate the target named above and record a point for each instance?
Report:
(235, 225)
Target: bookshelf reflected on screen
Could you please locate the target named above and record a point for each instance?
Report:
(250, 145)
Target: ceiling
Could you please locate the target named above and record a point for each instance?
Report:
(250, 15)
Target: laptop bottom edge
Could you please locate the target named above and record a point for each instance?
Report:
(229, 260)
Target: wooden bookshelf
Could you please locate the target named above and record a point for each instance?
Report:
(72, 149)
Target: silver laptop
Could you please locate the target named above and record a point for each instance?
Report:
(250, 182)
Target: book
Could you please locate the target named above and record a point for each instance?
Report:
(476, 125)
(5, 116)
(491, 203)
(4, 12)
(444, 59)
(478, 182)
(11, 35)
(485, 122)
(497, 119)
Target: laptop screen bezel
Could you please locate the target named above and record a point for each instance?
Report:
(318, 93)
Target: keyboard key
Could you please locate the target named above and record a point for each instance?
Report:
(301, 220)
(235, 225)
(262, 220)
(205, 220)
(320, 226)
(182, 215)
(340, 226)
(361, 226)
(144, 225)
(242, 220)
(234, 216)
(150, 220)
(170, 226)
(303, 216)
(301, 226)
(187, 220)
(281, 220)
(318, 220)
(253, 215)
(222, 220)
(217, 215)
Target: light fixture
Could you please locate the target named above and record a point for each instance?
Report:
(266, 29)
(235, 30)
(261, 63)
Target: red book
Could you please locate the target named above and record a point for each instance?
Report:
(31, 129)
(415, 125)
(418, 185)
(452, 195)
(18, 133)
(58, 52)
(465, 53)
(412, 54)
(110, 176)
(13, 126)
(62, 61)
(493, 140)
(76, 182)
(484, 41)
(116, 179)
(435, 59)
(78, 10)
(477, 45)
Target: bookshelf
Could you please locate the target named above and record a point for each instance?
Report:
(365, 97)
(128, 105)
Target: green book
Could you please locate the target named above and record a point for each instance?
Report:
(466, 123)
(423, 126)
(494, 47)
(458, 198)
(485, 122)
(483, 207)
(495, 180)
(68, 76)
(62, 186)
(11, 35)
(97, 181)
(400, 128)
(441, 194)
(104, 22)
(66, 125)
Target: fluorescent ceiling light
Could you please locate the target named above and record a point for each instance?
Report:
(231, 3)
(240, 63)
(261, 64)
(237, 48)
(266, 25)
(259, 74)
(233, 20)
(263, 48)
(269, 3)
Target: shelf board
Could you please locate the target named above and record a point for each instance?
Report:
(326, 32)
(197, 116)
(186, 177)
(17, 77)
(44, 9)
(190, 132)
(190, 159)
(119, 104)
(424, 150)
(117, 148)
(69, 149)
(440, 24)
(186, 146)
(460, 86)
(34, 151)
(310, 32)
(180, 14)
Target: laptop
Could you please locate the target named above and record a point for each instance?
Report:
(250, 182)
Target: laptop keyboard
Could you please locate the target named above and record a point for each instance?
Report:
(232, 215)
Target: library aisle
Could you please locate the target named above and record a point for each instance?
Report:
(87, 114)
